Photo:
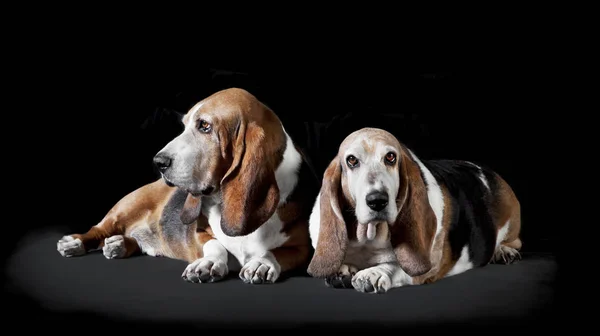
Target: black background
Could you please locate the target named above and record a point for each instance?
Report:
(103, 101)
(103, 118)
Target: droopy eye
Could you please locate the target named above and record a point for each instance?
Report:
(352, 161)
(204, 126)
(390, 158)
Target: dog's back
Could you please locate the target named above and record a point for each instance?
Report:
(486, 212)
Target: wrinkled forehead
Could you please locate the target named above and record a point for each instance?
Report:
(370, 142)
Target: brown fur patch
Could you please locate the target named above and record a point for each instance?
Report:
(290, 258)
(295, 214)
(440, 267)
(506, 208)
(413, 232)
(249, 189)
(143, 204)
(295, 252)
(333, 237)
(191, 209)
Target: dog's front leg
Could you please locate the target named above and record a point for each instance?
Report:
(211, 267)
(380, 278)
(261, 269)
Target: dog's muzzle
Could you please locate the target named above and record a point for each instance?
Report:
(377, 200)
(162, 162)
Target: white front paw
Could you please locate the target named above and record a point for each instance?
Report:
(68, 246)
(114, 247)
(205, 270)
(260, 270)
(372, 280)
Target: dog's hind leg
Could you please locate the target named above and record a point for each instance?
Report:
(507, 250)
(508, 242)
(142, 206)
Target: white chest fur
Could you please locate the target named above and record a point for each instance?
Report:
(256, 244)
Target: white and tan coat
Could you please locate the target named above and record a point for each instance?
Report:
(233, 183)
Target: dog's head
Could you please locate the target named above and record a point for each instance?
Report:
(375, 179)
(231, 144)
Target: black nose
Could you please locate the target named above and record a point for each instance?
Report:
(377, 200)
(162, 162)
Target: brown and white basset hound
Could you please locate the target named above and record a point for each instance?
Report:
(385, 219)
(233, 182)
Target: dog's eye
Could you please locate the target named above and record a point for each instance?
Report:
(204, 126)
(390, 158)
(352, 161)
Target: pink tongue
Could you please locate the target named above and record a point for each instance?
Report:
(365, 232)
(371, 231)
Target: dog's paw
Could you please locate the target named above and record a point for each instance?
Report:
(114, 247)
(372, 280)
(205, 270)
(260, 270)
(343, 278)
(68, 246)
(505, 255)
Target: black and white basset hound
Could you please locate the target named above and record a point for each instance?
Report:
(384, 218)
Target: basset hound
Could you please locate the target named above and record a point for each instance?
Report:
(384, 218)
(232, 183)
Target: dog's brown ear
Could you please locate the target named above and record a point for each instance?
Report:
(191, 209)
(412, 233)
(332, 241)
(249, 189)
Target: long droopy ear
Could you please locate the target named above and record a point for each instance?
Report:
(249, 189)
(333, 236)
(412, 234)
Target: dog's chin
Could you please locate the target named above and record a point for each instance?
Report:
(370, 230)
(193, 188)
(168, 182)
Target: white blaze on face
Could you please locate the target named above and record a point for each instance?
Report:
(372, 174)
